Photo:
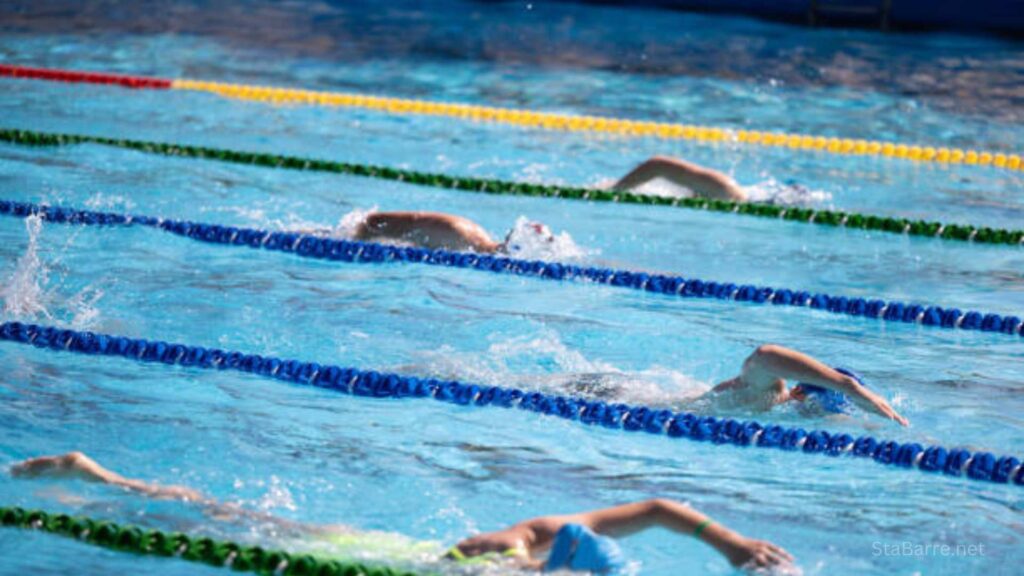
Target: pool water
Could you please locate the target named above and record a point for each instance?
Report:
(438, 472)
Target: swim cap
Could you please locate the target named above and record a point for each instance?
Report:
(579, 548)
(831, 400)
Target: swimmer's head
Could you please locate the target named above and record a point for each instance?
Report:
(578, 548)
(528, 232)
(828, 400)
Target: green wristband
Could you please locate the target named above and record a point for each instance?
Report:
(700, 527)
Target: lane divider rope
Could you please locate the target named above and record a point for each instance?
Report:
(830, 218)
(217, 553)
(353, 251)
(370, 384)
(540, 120)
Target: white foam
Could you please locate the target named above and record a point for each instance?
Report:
(83, 307)
(23, 291)
(277, 496)
(257, 215)
(524, 242)
(663, 188)
(769, 191)
(772, 191)
(27, 293)
(349, 223)
(345, 228)
(101, 201)
(564, 370)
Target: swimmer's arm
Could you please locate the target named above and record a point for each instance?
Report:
(631, 518)
(704, 182)
(440, 227)
(79, 465)
(771, 362)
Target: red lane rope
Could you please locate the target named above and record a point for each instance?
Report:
(86, 77)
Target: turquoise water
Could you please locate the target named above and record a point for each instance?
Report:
(438, 472)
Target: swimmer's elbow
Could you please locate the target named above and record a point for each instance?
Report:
(659, 506)
(764, 355)
(765, 351)
(661, 159)
(735, 193)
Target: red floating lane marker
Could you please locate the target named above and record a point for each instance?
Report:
(86, 77)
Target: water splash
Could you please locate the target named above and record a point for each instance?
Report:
(779, 193)
(545, 363)
(277, 496)
(101, 201)
(524, 241)
(345, 228)
(26, 293)
(350, 223)
(23, 291)
(83, 307)
(257, 216)
(769, 191)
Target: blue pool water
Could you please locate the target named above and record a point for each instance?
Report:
(438, 472)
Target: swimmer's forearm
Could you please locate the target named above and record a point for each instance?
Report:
(675, 516)
(735, 547)
(687, 521)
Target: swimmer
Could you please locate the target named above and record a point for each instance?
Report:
(578, 542)
(436, 230)
(703, 182)
(761, 385)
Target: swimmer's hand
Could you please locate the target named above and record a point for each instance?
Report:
(753, 554)
(872, 402)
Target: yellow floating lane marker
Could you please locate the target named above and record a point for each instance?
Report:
(623, 127)
(566, 122)
(534, 119)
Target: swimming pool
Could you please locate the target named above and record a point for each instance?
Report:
(437, 472)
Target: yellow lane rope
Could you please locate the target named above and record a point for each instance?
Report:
(618, 126)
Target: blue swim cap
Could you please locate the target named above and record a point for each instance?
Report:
(579, 548)
(830, 400)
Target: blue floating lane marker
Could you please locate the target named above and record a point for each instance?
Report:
(373, 253)
(982, 466)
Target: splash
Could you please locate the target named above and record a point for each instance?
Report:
(101, 201)
(656, 187)
(23, 292)
(524, 241)
(545, 363)
(349, 223)
(772, 191)
(83, 307)
(346, 227)
(256, 215)
(769, 191)
(277, 496)
(26, 295)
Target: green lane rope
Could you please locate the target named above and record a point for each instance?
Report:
(833, 218)
(127, 538)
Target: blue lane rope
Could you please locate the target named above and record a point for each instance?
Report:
(953, 461)
(369, 252)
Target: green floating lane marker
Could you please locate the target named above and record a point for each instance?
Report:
(132, 539)
(833, 218)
